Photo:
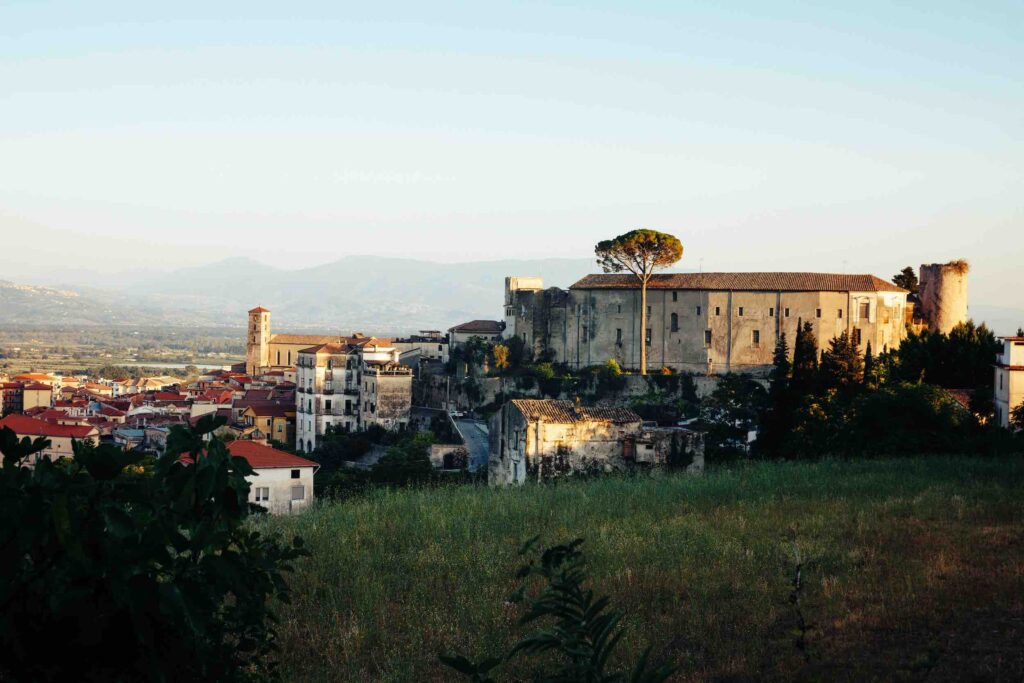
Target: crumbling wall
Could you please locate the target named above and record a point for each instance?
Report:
(943, 293)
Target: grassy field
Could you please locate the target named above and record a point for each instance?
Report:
(916, 571)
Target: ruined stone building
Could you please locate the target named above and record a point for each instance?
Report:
(700, 322)
(540, 439)
(350, 384)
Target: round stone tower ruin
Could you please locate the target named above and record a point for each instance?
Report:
(943, 293)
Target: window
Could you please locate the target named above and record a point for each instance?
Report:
(755, 337)
(584, 331)
(619, 308)
(280, 427)
(289, 358)
(327, 404)
(295, 474)
(787, 312)
(707, 338)
(647, 337)
(865, 310)
(718, 310)
(675, 296)
(839, 313)
(298, 493)
(817, 313)
(698, 310)
(648, 310)
(278, 357)
(618, 336)
(856, 336)
(771, 312)
(262, 494)
(740, 310)
(675, 322)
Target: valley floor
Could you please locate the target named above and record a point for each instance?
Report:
(915, 570)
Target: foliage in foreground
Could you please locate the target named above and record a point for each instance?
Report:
(115, 573)
(581, 632)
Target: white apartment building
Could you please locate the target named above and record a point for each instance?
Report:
(1009, 387)
(351, 385)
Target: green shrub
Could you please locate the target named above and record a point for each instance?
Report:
(112, 574)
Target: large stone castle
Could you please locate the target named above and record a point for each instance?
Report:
(717, 322)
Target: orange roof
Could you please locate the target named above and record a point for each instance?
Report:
(260, 456)
(259, 309)
(36, 377)
(28, 426)
(37, 386)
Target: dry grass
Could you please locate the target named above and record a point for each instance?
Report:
(916, 571)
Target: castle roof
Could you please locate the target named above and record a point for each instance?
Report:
(567, 412)
(744, 282)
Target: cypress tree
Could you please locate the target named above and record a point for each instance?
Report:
(870, 370)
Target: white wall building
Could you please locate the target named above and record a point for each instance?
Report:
(282, 482)
(1009, 387)
(333, 387)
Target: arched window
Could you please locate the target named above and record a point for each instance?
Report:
(309, 446)
(675, 322)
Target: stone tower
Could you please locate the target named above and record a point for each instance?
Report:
(257, 342)
(943, 293)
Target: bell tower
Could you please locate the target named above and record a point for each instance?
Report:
(257, 341)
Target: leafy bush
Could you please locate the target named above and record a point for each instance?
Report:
(110, 574)
(578, 628)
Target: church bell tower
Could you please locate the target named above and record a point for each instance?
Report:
(257, 343)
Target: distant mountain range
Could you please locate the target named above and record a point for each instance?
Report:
(365, 293)
(369, 294)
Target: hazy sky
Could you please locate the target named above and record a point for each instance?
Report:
(766, 135)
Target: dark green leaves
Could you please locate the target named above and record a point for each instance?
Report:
(136, 571)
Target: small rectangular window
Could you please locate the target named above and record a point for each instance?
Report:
(675, 296)
(740, 311)
(698, 310)
(771, 312)
(295, 474)
(755, 337)
(817, 313)
(865, 310)
(262, 494)
(298, 493)
(856, 336)
(618, 336)
(619, 308)
(648, 310)
(647, 337)
(327, 404)
(718, 310)
(787, 312)
(840, 313)
(707, 338)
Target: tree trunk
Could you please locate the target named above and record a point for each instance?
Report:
(643, 327)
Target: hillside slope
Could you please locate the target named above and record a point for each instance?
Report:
(912, 571)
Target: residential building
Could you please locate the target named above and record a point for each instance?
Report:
(60, 436)
(350, 385)
(1009, 381)
(281, 482)
(488, 330)
(428, 345)
(37, 395)
(542, 439)
(274, 421)
(700, 322)
(12, 397)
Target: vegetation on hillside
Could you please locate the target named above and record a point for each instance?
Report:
(116, 569)
(910, 570)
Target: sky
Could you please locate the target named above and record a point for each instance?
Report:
(855, 137)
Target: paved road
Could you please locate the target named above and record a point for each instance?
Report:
(475, 434)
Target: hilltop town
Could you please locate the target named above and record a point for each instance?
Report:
(550, 386)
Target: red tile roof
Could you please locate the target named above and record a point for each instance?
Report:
(38, 387)
(259, 309)
(260, 456)
(745, 282)
(27, 426)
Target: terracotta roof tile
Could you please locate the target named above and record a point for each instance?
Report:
(484, 326)
(745, 282)
(566, 412)
(27, 426)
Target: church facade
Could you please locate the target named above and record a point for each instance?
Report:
(701, 322)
